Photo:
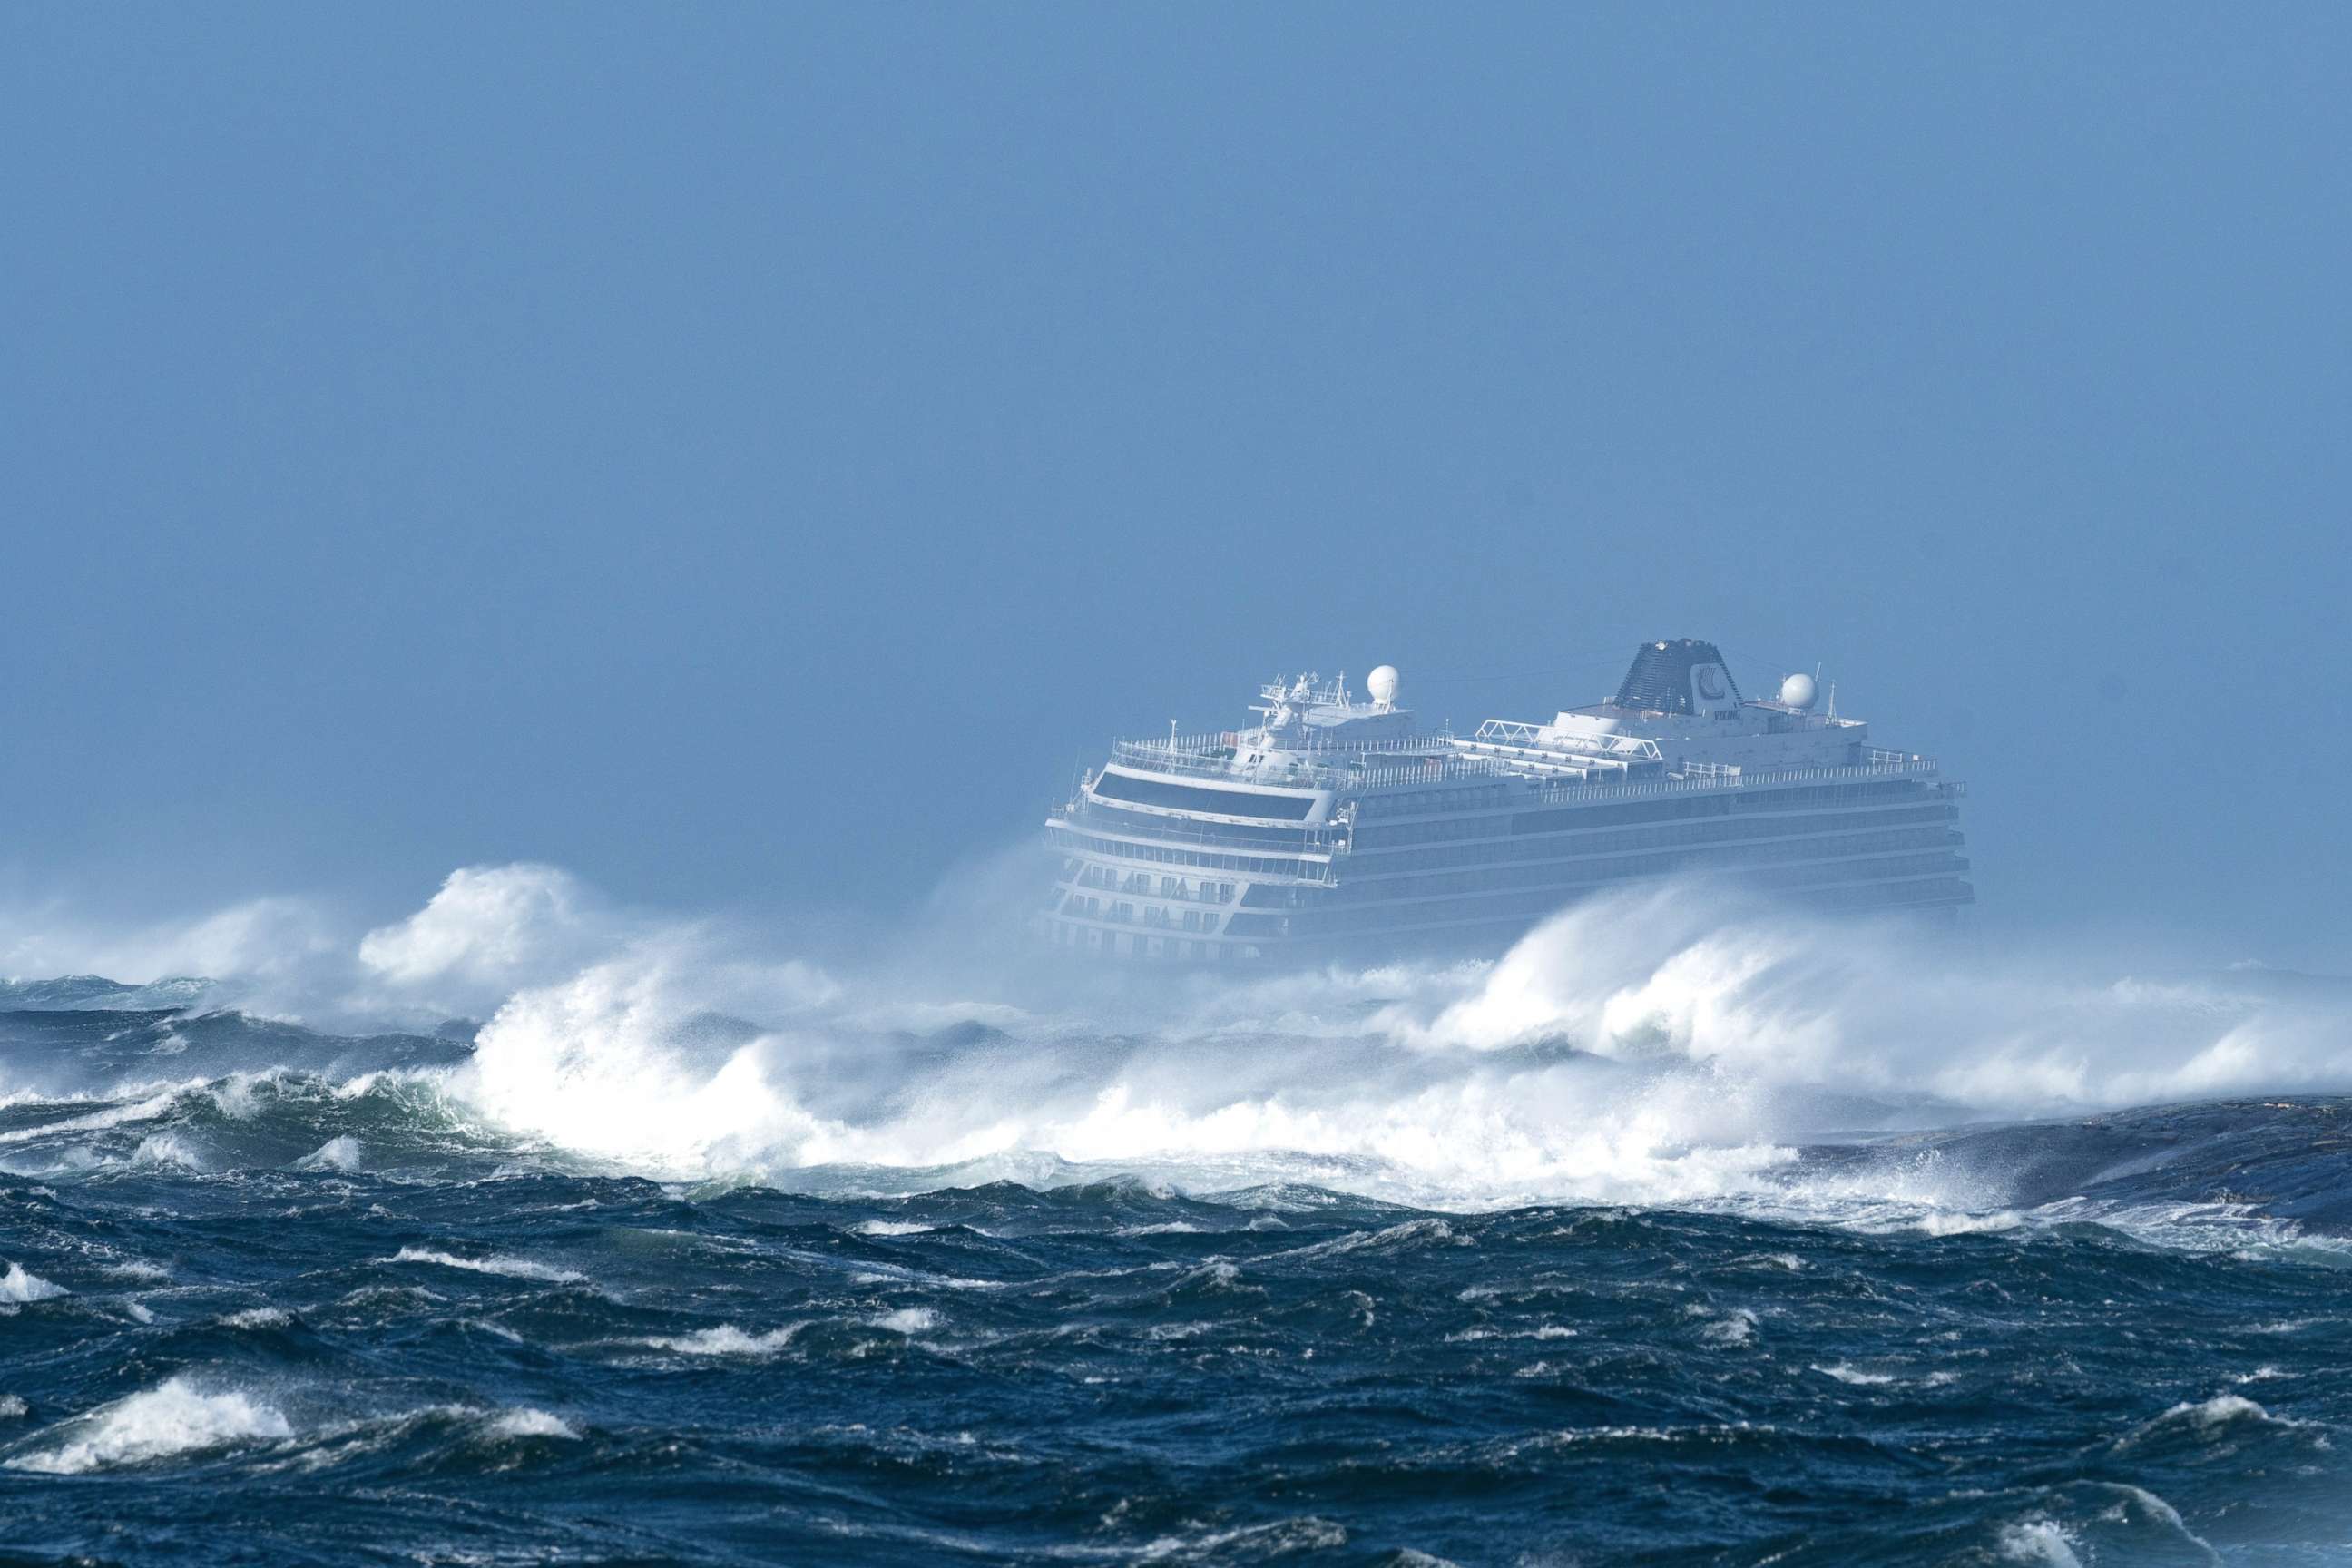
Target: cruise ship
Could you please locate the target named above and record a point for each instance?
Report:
(1335, 826)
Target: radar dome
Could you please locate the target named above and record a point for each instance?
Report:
(1382, 684)
(1799, 691)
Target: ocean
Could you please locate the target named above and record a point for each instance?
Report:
(677, 1257)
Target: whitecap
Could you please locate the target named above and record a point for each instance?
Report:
(2210, 1415)
(17, 1285)
(1846, 1373)
(1942, 1224)
(258, 1318)
(174, 1417)
(894, 1227)
(2039, 1541)
(908, 1321)
(527, 1422)
(335, 1154)
(728, 1340)
(1736, 1327)
(167, 1149)
(511, 1267)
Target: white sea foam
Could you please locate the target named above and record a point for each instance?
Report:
(335, 1154)
(2039, 1541)
(167, 1149)
(1855, 1375)
(893, 1227)
(526, 1421)
(513, 1268)
(1701, 1039)
(258, 1318)
(908, 1321)
(17, 1285)
(2208, 1418)
(1736, 1327)
(1656, 1045)
(727, 1339)
(144, 1109)
(173, 1418)
(1969, 1223)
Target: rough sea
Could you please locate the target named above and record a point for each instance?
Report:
(1665, 1239)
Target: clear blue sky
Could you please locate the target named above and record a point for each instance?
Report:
(749, 454)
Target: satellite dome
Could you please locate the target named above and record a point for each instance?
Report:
(1382, 684)
(1799, 691)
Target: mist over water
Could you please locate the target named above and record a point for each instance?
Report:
(531, 1187)
(1666, 1043)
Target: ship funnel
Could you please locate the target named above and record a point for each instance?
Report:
(1680, 676)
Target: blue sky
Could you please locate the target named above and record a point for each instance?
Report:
(748, 455)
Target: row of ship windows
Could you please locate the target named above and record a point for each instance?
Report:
(1558, 873)
(1545, 823)
(1607, 840)
(1492, 850)
(1410, 802)
(1564, 819)
(1094, 938)
(1243, 834)
(1544, 884)
(1122, 912)
(1937, 897)
(1328, 921)
(1167, 855)
(1784, 847)
(1112, 880)
(1201, 799)
(1789, 797)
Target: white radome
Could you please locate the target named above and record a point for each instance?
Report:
(1799, 691)
(1382, 683)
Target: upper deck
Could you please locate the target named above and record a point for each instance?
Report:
(1677, 723)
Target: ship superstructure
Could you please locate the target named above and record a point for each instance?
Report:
(1336, 827)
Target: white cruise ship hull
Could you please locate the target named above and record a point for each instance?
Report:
(1235, 849)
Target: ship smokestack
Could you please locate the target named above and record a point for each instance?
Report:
(1684, 675)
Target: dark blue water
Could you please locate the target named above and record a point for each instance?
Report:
(324, 1313)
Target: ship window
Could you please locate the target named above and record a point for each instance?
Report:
(1193, 797)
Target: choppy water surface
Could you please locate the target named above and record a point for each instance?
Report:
(277, 1296)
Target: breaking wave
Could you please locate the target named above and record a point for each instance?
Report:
(163, 1423)
(1664, 1045)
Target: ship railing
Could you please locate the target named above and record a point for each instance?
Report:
(1212, 756)
(1437, 770)
(1910, 763)
(1513, 732)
